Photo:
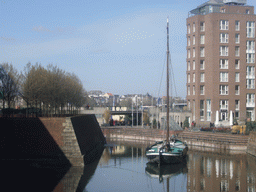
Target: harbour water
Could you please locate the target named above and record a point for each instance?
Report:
(123, 167)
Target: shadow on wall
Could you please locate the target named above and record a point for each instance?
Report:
(30, 158)
(89, 136)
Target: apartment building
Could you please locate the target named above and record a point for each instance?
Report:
(221, 62)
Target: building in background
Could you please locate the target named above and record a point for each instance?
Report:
(221, 62)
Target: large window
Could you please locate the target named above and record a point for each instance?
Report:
(250, 72)
(223, 50)
(223, 76)
(250, 99)
(250, 46)
(224, 38)
(250, 77)
(250, 84)
(223, 64)
(223, 25)
(250, 29)
(223, 89)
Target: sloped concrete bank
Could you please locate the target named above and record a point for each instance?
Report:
(64, 139)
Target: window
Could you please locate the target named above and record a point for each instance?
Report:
(188, 78)
(201, 110)
(223, 10)
(250, 29)
(237, 77)
(237, 64)
(194, 27)
(202, 52)
(201, 64)
(223, 76)
(210, 9)
(194, 40)
(247, 11)
(250, 84)
(194, 90)
(237, 105)
(223, 50)
(224, 104)
(224, 38)
(194, 77)
(194, 65)
(188, 29)
(223, 64)
(188, 41)
(188, 65)
(250, 47)
(208, 110)
(194, 52)
(237, 37)
(188, 53)
(237, 24)
(201, 89)
(250, 99)
(201, 77)
(237, 51)
(202, 38)
(250, 57)
(237, 90)
(223, 89)
(250, 72)
(202, 26)
(188, 89)
(223, 25)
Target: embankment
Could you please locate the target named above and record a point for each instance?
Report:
(64, 139)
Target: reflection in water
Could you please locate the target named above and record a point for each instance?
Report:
(125, 168)
(165, 172)
(214, 172)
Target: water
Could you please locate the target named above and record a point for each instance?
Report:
(123, 167)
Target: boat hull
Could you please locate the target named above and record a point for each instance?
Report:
(160, 153)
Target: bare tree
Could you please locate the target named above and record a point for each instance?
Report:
(9, 83)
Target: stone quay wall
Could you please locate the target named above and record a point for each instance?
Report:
(251, 147)
(59, 138)
(207, 140)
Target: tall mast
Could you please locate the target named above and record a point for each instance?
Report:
(167, 79)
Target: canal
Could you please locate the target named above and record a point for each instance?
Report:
(123, 167)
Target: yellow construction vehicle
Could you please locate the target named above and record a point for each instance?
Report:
(238, 129)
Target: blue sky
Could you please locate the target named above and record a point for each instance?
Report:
(114, 46)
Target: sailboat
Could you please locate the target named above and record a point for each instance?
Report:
(171, 150)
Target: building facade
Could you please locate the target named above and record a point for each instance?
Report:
(221, 62)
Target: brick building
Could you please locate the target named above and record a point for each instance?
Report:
(221, 62)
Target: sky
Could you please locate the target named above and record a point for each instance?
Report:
(114, 46)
